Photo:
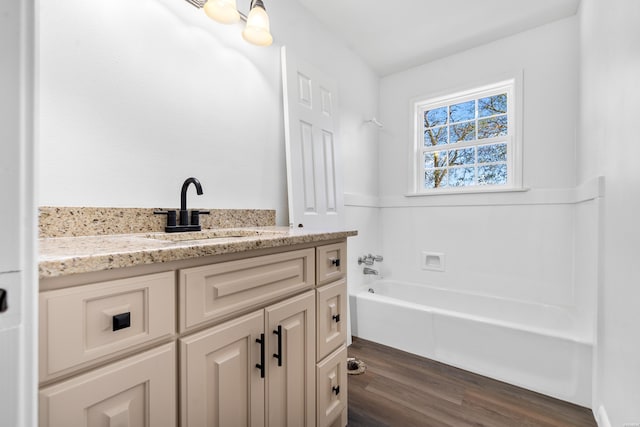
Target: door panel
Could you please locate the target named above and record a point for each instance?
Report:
(220, 384)
(313, 155)
(18, 395)
(10, 132)
(291, 383)
(9, 345)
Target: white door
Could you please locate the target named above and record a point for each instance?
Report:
(17, 282)
(314, 174)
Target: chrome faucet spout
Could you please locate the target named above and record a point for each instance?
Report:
(368, 270)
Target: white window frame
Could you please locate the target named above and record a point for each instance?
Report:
(513, 87)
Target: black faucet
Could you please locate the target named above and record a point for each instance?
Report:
(184, 213)
(184, 224)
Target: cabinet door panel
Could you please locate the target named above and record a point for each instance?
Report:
(291, 386)
(139, 391)
(332, 317)
(332, 387)
(220, 384)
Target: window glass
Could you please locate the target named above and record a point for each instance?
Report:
(492, 174)
(463, 111)
(492, 127)
(492, 105)
(436, 136)
(467, 141)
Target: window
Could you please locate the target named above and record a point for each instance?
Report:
(466, 141)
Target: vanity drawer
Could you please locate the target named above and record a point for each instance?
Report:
(85, 324)
(332, 317)
(137, 391)
(332, 262)
(218, 291)
(332, 389)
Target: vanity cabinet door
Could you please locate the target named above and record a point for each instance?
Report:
(139, 391)
(220, 382)
(332, 389)
(332, 317)
(290, 328)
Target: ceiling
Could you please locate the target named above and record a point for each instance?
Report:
(395, 35)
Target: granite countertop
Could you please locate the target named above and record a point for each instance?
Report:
(60, 256)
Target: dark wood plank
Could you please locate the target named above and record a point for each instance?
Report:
(402, 389)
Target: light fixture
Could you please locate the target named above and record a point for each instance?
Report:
(256, 30)
(223, 11)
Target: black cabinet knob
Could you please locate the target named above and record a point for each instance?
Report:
(335, 262)
(121, 321)
(336, 389)
(336, 317)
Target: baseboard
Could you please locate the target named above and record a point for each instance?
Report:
(602, 418)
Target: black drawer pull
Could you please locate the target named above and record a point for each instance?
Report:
(336, 389)
(3, 301)
(335, 261)
(278, 355)
(121, 321)
(336, 317)
(261, 364)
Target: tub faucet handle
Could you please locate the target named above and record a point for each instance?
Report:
(369, 259)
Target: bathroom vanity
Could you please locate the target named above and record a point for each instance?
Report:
(243, 326)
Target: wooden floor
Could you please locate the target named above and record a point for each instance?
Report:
(401, 389)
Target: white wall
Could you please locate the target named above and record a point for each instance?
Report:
(137, 96)
(140, 95)
(609, 145)
(514, 245)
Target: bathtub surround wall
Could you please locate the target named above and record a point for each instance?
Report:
(535, 247)
(610, 102)
(516, 245)
(139, 95)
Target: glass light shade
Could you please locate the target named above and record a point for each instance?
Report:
(257, 28)
(223, 11)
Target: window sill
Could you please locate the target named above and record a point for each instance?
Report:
(449, 191)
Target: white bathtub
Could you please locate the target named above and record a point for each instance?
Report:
(538, 347)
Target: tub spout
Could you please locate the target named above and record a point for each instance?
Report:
(368, 270)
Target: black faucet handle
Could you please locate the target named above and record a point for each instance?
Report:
(171, 217)
(195, 216)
